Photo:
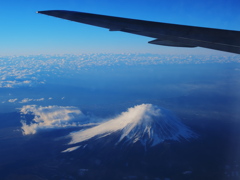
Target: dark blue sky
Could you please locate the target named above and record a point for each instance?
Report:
(23, 32)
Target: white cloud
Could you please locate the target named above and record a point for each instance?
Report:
(131, 117)
(29, 129)
(40, 99)
(15, 83)
(71, 149)
(12, 100)
(50, 117)
(25, 100)
(26, 82)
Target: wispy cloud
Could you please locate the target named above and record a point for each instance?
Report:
(71, 149)
(50, 117)
(12, 100)
(25, 100)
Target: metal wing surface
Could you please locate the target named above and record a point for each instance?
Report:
(164, 33)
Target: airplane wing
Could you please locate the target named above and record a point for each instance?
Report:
(164, 33)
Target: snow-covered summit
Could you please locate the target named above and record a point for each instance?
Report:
(145, 123)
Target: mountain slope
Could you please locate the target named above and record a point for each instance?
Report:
(146, 123)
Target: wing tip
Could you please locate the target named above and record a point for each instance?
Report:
(50, 12)
(39, 12)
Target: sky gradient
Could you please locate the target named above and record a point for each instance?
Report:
(24, 32)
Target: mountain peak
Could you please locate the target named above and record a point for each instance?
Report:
(152, 125)
(145, 123)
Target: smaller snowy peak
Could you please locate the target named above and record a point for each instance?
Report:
(145, 123)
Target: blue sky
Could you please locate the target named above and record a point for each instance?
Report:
(23, 32)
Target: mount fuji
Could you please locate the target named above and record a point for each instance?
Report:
(146, 124)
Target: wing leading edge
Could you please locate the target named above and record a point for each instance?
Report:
(164, 33)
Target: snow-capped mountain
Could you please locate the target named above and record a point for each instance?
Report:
(146, 123)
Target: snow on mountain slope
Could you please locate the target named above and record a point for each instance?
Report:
(146, 123)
